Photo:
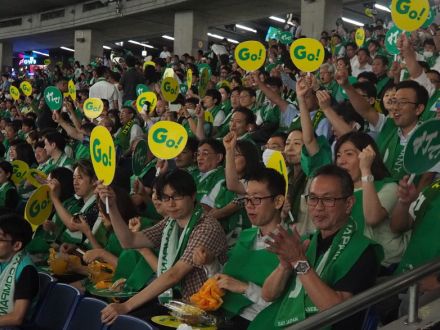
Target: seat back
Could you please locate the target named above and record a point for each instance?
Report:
(58, 307)
(45, 284)
(124, 322)
(87, 315)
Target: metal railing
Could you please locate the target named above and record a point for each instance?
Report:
(372, 296)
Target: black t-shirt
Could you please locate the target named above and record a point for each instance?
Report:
(361, 277)
(27, 284)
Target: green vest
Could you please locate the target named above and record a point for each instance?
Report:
(4, 189)
(317, 118)
(247, 265)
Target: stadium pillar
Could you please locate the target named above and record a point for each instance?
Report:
(319, 15)
(5, 55)
(88, 45)
(190, 30)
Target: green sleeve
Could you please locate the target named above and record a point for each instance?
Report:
(310, 164)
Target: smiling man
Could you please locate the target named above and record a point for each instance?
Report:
(393, 133)
(176, 237)
(329, 267)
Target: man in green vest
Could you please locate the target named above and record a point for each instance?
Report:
(264, 201)
(330, 266)
(54, 143)
(18, 275)
(392, 133)
(380, 69)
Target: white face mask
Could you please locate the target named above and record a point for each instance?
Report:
(191, 112)
(428, 54)
(64, 109)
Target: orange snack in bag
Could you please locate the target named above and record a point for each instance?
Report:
(209, 296)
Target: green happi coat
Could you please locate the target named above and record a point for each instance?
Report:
(295, 305)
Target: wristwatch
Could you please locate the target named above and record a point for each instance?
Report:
(301, 267)
(367, 178)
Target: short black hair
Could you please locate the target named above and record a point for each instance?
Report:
(180, 180)
(215, 94)
(192, 144)
(366, 87)
(347, 185)
(363, 50)
(248, 113)
(273, 179)
(422, 95)
(215, 144)
(368, 75)
(250, 91)
(18, 228)
(384, 59)
(57, 138)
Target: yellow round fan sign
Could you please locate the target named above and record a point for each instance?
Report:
(307, 54)
(15, 93)
(167, 139)
(409, 15)
(276, 161)
(170, 89)
(189, 78)
(250, 55)
(39, 206)
(360, 37)
(103, 154)
(26, 88)
(21, 170)
(93, 107)
(72, 89)
(147, 98)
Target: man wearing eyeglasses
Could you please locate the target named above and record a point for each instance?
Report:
(332, 265)
(393, 133)
(212, 192)
(249, 262)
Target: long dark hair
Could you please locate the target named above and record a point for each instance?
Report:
(252, 156)
(361, 140)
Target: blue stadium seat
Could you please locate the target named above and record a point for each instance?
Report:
(45, 284)
(125, 322)
(87, 315)
(58, 307)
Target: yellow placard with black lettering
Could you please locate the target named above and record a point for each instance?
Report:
(307, 54)
(34, 177)
(360, 37)
(21, 170)
(147, 98)
(169, 89)
(15, 92)
(250, 55)
(277, 162)
(39, 206)
(26, 88)
(103, 154)
(409, 15)
(72, 89)
(93, 107)
(167, 139)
